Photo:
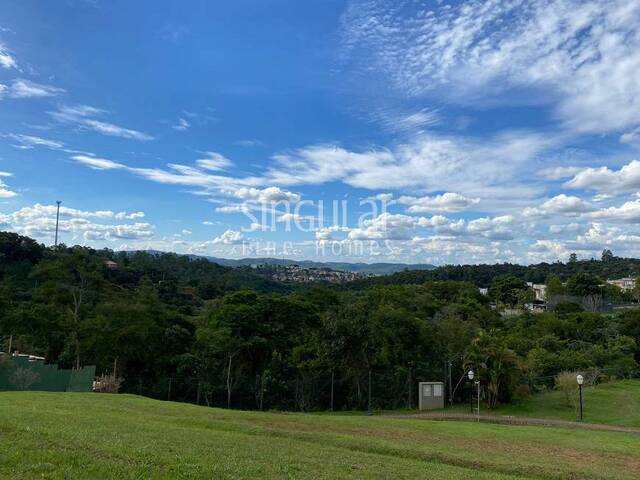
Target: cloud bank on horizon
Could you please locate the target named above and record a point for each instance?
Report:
(441, 132)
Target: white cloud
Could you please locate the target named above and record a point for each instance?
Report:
(21, 88)
(631, 136)
(229, 237)
(214, 161)
(558, 173)
(386, 226)
(427, 161)
(30, 141)
(567, 228)
(6, 59)
(84, 117)
(500, 227)
(607, 180)
(266, 195)
(628, 212)
(239, 208)
(39, 221)
(4, 189)
(447, 202)
(129, 216)
(97, 163)
(581, 56)
(182, 125)
(5, 192)
(560, 205)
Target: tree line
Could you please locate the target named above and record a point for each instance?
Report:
(187, 329)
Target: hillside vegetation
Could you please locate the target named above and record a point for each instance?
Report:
(178, 328)
(615, 403)
(55, 436)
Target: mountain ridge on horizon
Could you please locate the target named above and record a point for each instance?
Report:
(377, 268)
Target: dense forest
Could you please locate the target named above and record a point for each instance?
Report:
(188, 329)
(608, 267)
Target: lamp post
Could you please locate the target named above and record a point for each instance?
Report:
(470, 375)
(580, 380)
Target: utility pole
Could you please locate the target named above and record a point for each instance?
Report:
(58, 202)
(369, 412)
(332, 380)
(450, 393)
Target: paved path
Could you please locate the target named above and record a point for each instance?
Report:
(511, 420)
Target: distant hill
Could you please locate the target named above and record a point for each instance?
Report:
(369, 268)
(483, 274)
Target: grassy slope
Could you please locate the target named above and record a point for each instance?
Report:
(48, 435)
(616, 403)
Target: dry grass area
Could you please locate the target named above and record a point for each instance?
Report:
(49, 435)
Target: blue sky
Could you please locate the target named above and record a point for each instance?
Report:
(442, 132)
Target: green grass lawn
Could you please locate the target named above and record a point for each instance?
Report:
(616, 403)
(77, 435)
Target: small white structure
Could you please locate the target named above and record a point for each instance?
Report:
(430, 395)
(626, 283)
(539, 290)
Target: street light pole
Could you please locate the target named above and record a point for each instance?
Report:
(580, 380)
(478, 385)
(55, 243)
(470, 375)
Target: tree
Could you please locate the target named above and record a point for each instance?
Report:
(70, 280)
(497, 367)
(573, 258)
(607, 255)
(506, 289)
(635, 293)
(583, 284)
(555, 287)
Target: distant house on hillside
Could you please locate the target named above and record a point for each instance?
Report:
(537, 306)
(626, 283)
(540, 290)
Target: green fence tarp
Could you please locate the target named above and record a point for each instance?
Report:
(18, 373)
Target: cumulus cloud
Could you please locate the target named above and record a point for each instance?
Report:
(238, 208)
(447, 202)
(607, 180)
(229, 237)
(627, 212)
(4, 189)
(560, 205)
(266, 195)
(386, 226)
(39, 221)
(558, 173)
